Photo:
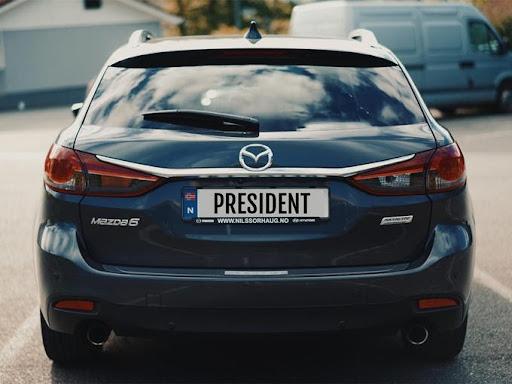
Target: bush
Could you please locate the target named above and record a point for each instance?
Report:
(505, 29)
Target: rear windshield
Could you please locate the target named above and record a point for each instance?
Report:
(281, 97)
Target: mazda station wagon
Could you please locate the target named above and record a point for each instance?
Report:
(254, 185)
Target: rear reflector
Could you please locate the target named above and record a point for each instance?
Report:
(437, 303)
(75, 305)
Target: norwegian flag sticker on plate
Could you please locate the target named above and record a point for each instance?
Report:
(189, 203)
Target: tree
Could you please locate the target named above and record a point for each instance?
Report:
(499, 12)
(219, 16)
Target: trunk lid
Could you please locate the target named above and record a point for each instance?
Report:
(352, 236)
(313, 109)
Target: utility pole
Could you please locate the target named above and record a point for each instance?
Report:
(183, 13)
(237, 13)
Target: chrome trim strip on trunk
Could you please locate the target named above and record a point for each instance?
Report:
(255, 273)
(241, 172)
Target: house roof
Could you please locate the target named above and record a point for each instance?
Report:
(134, 7)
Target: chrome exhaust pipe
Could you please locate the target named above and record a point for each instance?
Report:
(417, 334)
(97, 334)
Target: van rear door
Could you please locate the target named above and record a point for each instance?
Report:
(399, 29)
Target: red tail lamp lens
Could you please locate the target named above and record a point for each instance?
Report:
(405, 178)
(437, 303)
(75, 305)
(439, 170)
(82, 173)
(447, 170)
(111, 180)
(63, 171)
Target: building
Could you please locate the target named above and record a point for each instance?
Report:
(50, 49)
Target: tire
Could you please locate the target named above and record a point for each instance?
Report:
(442, 346)
(504, 100)
(64, 348)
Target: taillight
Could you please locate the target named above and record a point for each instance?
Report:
(405, 178)
(432, 171)
(63, 171)
(112, 180)
(446, 170)
(78, 172)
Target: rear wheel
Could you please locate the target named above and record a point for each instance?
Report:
(64, 348)
(443, 345)
(504, 101)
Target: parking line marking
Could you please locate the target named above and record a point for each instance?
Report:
(20, 338)
(493, 284)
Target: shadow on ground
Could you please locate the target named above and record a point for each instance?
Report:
(486, 358)
(259, 359)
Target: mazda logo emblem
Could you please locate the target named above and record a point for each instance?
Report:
(255, 157)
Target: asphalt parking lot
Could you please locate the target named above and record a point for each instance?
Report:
(486, 140)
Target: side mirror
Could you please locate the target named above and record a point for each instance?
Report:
(75, 108)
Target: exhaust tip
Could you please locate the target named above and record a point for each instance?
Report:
(97, 334)
(417, 334)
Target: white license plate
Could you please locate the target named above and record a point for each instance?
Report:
(255, 205)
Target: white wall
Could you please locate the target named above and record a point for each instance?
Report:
(47, 59)
(35, 14)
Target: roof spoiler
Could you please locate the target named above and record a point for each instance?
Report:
(139, 36)
(364, 36)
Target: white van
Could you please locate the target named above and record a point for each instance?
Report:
(453, 53)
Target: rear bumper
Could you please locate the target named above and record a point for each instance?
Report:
(138, 302)
(143, 321)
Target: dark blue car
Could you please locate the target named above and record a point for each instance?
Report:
(255, 185)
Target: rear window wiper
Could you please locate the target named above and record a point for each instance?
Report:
(204, 119)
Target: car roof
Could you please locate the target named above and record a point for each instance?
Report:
(202, 43)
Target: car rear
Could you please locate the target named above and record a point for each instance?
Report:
(255, 190)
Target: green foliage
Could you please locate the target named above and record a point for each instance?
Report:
(505, 29)
(210, 16)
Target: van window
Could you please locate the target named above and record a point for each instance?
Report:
(483, 39)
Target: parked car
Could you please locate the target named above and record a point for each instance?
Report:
(254, 185)
(452, 52)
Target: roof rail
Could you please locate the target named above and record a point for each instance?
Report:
(364, 36)
(139, 36)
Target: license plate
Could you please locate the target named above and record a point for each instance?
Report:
(255, 205)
